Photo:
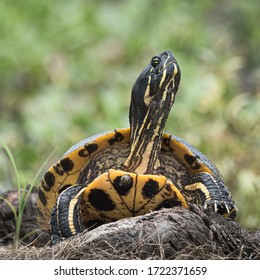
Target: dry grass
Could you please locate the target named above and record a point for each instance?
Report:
(162, 234)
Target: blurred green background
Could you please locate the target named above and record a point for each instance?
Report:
(67, 68)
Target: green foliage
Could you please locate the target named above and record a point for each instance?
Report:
(23, 194)
(67, 68)
(17, 216)
(23, 190)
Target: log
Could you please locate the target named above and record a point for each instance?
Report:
(176, 233)
(29, 231)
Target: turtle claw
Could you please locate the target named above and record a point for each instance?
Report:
(227, 208)
(215, 207)
(211, 192)
(220, 207)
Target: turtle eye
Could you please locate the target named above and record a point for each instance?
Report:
(155, 61)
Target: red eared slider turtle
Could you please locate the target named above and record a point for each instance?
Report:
(131, 171)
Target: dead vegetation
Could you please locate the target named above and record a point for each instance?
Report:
(177, 233)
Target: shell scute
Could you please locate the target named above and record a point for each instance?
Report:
(130, 194)
(67, 170)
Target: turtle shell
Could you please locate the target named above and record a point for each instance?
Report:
(95, 155)
(114, 195)
(118, 194)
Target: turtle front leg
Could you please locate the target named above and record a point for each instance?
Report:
(210, 191)
(65, 217)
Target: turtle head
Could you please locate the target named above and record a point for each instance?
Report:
(153, 95)
(155, 89)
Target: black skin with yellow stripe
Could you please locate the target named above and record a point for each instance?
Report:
(129, 172)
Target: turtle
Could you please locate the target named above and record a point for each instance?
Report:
(131, 171)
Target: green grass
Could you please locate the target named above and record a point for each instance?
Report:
(67, 69)
(23, 190)
(23, 194)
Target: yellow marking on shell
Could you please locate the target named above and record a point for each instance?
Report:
(70, 178)
(102, 142)
(89, 212)
(180, 150)
(177, 192)
(134, 202)
(167, 191)
(129, 199)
